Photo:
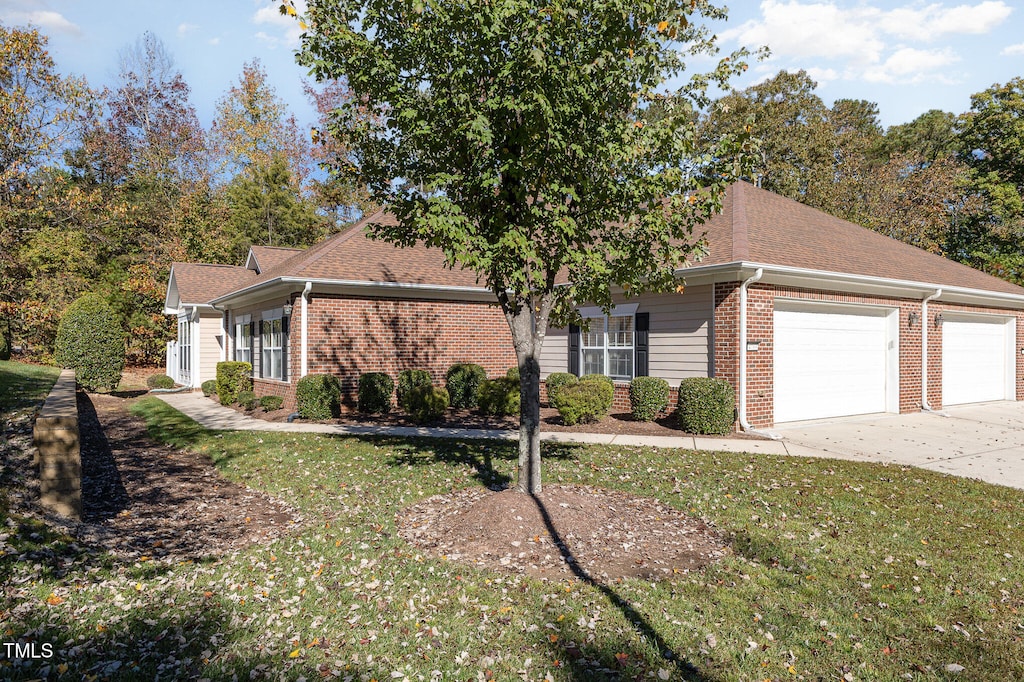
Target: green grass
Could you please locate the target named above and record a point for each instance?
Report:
(837, 568)
(23, 386)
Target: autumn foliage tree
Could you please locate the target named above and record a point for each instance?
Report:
(515, 137)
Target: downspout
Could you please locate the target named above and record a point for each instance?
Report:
(924, 352)
(742, 411)
(304, 369)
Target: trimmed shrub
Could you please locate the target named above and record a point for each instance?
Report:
(248, 400)
(318, 396)
(232, 379)
(427, 403)
(463, 381)
(648, 397)
(499, 397)
(5, 347)
(159, 381)
(91, 342)
(556, 380)
(375, 389)
(409, 379)
(706, 406)
(209, 387)
(584, 402)
(512, 373)
(608, 396)
(269, 403)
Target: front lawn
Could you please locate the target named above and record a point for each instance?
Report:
(23, 385)
(838, 569)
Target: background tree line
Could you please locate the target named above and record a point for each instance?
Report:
(100, 190)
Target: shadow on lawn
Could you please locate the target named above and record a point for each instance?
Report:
(684, 668)
(481, 456)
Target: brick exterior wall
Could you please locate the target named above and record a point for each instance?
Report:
(350, 336)
(760, 327)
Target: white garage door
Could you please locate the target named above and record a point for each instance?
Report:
(976, 360)
(831, 362)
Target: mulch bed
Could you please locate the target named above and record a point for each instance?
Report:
(589, 533)
(143, 499)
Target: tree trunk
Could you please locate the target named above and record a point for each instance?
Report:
(528, 322)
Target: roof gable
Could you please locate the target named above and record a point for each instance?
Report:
(261, 258)
(200, 283)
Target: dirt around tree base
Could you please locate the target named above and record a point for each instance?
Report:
(590, 533)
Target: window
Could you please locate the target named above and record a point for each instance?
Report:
(607, 347)
(243, 340)
(184, 349)
(272, 343)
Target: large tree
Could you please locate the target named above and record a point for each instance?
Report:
(515, 136)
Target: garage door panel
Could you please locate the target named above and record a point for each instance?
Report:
(975, 366)
(829, 364)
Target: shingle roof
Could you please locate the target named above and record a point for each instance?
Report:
(269, 257)
(200, 283)
(352, 256)
(758, 226)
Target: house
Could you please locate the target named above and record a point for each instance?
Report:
(807, 315)
(345, 306)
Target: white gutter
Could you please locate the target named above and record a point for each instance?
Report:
(356, 284)
(305, 329)
(924, 350)
(742, 409)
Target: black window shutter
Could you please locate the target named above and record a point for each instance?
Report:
(285, 326)
(641, 344)
(574, 349)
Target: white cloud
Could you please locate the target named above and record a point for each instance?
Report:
(930, 22)
(213, 41)
(287, 27)
(185, 29)
(910, 65)
(1013, 50)
(36, 13)
(862, 40)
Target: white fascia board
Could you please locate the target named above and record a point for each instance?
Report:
(850, 283)
(357, 287)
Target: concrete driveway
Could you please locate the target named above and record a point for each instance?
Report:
(984, 441)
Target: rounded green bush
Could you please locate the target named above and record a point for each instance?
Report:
(248, 400)
(375, 389)
(91, 342)
(209, 387)
(609, 395)
(512, 373)
(463, 380)
(648, 397)
(556, 380)
(427, 403)
(159, 381)
(232, 378)
(409, 379)
(318, 396)
(706, 406)
(499, 397)
(584, 402)
(269, 403)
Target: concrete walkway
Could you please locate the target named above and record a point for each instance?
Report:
(212, 415)
(977, 441)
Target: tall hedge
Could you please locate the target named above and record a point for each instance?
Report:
(91, 342)
(232, 378)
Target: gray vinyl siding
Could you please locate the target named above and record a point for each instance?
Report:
(680, 336)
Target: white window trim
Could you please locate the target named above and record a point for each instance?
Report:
(267, 368)
(595, 314)
(242, 321)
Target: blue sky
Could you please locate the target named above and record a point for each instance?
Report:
(908, 56)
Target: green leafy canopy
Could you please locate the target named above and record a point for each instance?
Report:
(520, 137)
